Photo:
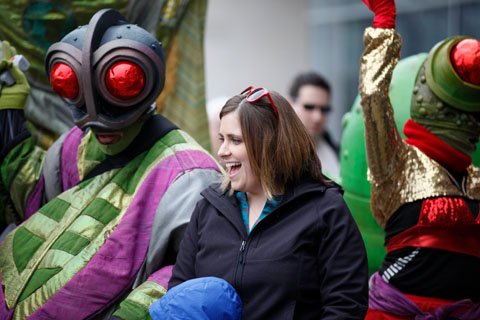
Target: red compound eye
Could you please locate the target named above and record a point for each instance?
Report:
(466, 60)
(125, 80)
(64, 81)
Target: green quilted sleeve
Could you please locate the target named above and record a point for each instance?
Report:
(19, 173)
(136, 305)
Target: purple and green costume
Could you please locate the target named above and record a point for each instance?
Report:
(95, 246)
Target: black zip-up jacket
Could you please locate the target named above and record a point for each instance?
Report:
(305, 260)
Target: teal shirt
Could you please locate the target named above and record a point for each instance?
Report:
(267, 209)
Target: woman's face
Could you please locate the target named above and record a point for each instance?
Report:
(234, 153)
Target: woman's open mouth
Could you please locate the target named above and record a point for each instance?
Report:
(233, 168)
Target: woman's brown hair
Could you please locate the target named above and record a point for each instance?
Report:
(280, 150)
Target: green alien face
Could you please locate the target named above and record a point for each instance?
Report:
(456, 127)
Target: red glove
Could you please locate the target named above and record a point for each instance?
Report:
(385, 12)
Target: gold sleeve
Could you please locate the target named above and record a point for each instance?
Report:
(382, 139)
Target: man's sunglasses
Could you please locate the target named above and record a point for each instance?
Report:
(257, 94)
(322, 109)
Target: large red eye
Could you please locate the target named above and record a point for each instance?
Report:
(125, 80)
(466, 60)
(64, 81)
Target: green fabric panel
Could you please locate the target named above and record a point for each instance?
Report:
(132, 311)
(55, 209)
(15, 160)
(85, 183)
(3, 208)
(25, 244)
(93, 152)
(39, 277)
(70, 242)
(101, 210)
(131, 174)
(126, 177)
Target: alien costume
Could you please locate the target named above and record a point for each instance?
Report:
(424, 191)
(100, 218)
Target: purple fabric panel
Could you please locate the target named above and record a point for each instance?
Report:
(162, 276)
(35, 199)
(5, 314)
(385, 297)
(114, 267)
(69, 167)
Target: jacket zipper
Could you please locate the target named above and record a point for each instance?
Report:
(243, 252)
(240, 264)
(243, 249)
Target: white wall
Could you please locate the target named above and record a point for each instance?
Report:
(254, 42)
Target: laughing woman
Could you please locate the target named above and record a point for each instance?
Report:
(275, 229)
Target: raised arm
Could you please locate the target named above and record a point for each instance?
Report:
(381, 55)
(14, 90)
(19, 166)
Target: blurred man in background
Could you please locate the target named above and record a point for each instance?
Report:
(309, 95)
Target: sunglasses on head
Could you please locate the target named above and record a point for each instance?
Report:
(322, 109)
(257, 94)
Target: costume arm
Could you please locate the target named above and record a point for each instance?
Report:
(137, 303)
(21, 162)
(17, 171)
(342, 261)
(14, 90)
(184, 268)
(382, 138)
(172, 216)
(12, 131)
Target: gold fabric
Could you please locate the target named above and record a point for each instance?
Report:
(399, 173)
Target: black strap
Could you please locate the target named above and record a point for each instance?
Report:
(13, 130)
(153, 130)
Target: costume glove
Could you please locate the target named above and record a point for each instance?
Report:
(385, 13)
(15, 96)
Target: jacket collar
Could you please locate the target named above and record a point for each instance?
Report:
(228, 206)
